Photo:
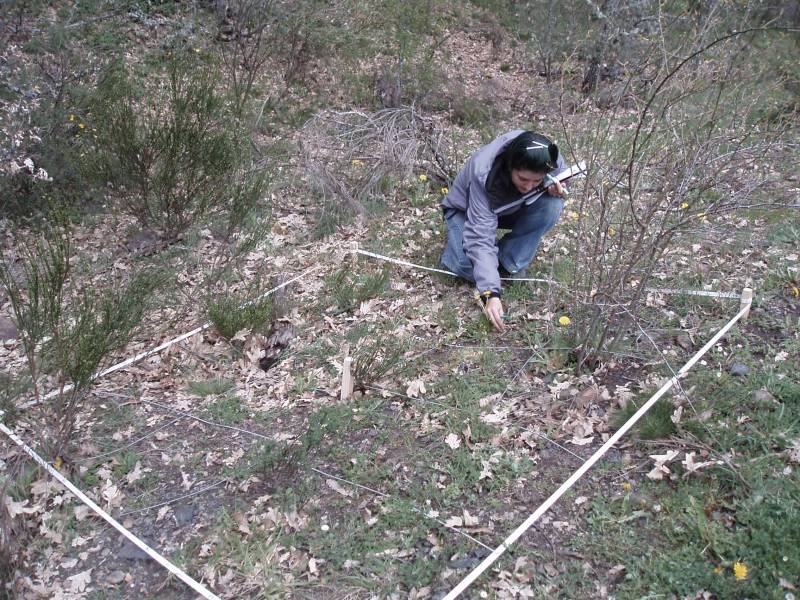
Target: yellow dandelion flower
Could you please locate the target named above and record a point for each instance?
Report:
(612, 232)
(626, 485)
(423, 177)
(82, 125)
(71, 118)
(356, 163)
(444, 191)
(574, 215)
(684, 205)
(739, 571)
(564, 320)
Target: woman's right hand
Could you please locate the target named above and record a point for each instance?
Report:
(494, 312)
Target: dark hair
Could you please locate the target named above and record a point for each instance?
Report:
(532, 152)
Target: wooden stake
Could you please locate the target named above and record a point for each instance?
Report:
(347, 379)
(746, 301)
(353, 253)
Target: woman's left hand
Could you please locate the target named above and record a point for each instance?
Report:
(556, 189)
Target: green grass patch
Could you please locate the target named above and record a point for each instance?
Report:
(227, 410)
(232, 312)
(348, 290)
(656, 424)
(211, 387)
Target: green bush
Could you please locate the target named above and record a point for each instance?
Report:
(349, 291)
(68, 325)
(233, 311)
(375, 355)
(172, 159)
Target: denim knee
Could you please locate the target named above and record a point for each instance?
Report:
(551, 209)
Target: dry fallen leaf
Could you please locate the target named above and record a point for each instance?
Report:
(453, 441)
(112, 495)
(78, 583)
(467, 433)
(415, 388)
(19, 508)
(469, 520)
(186, 481)
(582, 441)
(241, 522)
(454, 522)
(135, 474)
(691, 466)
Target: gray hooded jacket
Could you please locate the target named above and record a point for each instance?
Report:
(468, 194)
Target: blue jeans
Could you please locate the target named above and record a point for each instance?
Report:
(516, 249)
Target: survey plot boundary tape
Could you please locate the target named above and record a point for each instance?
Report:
(405, 263)
(192, 583)
(599, 453)
(745, 305)
(142, 355)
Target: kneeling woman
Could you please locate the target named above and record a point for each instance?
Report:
(490, 193)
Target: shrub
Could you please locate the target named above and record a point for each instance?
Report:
(375, 355)
(44, 148)
(173, 159)
(351, 159)
(349, 290)
(662, 171)
(67, 325)
(234, 310)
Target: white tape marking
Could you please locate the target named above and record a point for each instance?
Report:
(695, 293)
(197, 587)
(405, 263)
(141, 356)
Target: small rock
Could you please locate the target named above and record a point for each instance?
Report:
(129, 551)
(763, 395)
(739, 370)
(464, 563)
(684, 341)
(115, 577)
(185, 514)
(8, 331)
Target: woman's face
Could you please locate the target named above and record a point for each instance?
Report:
(525, 180)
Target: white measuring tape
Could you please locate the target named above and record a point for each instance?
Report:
(197, 587)
(142, 355)
(405, 263)
(708, 293)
